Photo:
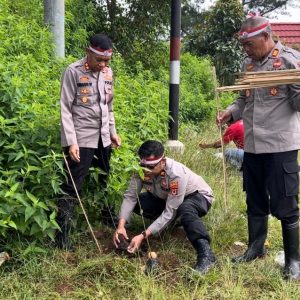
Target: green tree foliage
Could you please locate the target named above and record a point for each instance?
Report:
(137, 27)
(81, 19)
(196, 89)
(212, 32)
(31, 168)
(215, 37)
(265, 6)
(28, 118)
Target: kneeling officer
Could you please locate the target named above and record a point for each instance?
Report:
(172, 190)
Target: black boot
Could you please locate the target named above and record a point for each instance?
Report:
(205, 257)
(290, 235)
(257, 230)
(65, 212)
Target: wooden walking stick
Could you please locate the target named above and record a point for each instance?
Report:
(221, 137)
(81, 205)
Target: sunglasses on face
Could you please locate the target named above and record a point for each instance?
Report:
(150, 167)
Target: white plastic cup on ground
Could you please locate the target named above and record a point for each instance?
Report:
(279, 258)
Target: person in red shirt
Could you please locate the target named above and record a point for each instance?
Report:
(234, 133)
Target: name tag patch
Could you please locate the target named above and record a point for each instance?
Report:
(81, 84)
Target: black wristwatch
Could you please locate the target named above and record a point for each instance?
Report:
(144, 234)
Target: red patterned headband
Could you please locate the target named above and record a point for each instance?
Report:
(100, 51)
(151, 161)
(253, 32)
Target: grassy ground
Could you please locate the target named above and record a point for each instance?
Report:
(87, 274)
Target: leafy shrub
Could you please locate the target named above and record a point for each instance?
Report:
(29, 118)
(196, 89)
(31, 168)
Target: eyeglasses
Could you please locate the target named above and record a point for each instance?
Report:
(150, 167)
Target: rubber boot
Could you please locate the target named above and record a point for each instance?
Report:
(290, 235)
(205, 257)
(257, 230)
(65, 212)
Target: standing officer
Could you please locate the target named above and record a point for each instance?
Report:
(87, 123)
(272, 140)
(173, 190)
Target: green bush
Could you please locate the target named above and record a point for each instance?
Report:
(196, 89)
(29, 115)
(31, 167)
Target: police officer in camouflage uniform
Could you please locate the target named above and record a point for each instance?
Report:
(87, 123)
(272, 139)
(172, 190)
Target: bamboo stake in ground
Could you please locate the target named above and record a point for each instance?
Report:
(81, 205)
(221, 138)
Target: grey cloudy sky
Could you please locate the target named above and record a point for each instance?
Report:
(294, 16)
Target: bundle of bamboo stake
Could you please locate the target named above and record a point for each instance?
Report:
(252, 80)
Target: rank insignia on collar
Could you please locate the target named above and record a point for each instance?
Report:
(84, 79)
(248, 93)
(277, 63)
(275, 53)
(84, 99)
(249, 67)
(86, 66)
(273, 91)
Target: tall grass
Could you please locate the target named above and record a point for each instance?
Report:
(86, 274)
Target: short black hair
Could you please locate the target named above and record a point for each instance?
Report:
(150, 148)
(101, 40)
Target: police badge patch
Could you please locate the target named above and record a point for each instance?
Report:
(174, 186)
(108, 77)
(85, 91)
(84, 79)
(273, 91)
(84, 99)
(277, 63)
(250, 67)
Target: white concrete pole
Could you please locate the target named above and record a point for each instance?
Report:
(54, 16)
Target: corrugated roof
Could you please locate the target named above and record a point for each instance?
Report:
(288, 33)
